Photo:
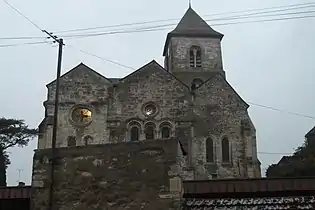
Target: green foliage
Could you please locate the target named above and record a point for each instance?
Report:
(12, 133)
(300, 164)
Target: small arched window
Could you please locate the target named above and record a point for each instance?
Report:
(149, 131)
(196, 83)
(225, 150)
(165, 129)
(166, 132)
(88, 140)
(195, 56)
(209, 150)
(134, 133)
(71, 141)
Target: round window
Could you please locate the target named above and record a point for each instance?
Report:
(150, 110)
(81, 116)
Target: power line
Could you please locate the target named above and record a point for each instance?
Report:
(21, 44)
(173, 19)
(150, 28)
(282, 111)
(28, 19)
(162, 27)
(275, 153)
(104, 59)
(77, 36)
(208, 20)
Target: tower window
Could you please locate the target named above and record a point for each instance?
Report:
(195, 56)
(225, 150)
(209, 150)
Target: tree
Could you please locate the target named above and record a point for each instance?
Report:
(300, 164)
(13, 132)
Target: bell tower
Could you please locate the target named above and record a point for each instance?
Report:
(193, 49)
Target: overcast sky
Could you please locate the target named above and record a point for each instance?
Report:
(268, 63)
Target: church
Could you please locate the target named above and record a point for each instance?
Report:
(181, 121)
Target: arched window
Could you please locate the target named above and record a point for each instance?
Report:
(149, 131)
(209, 150)
(88, 140)
(195, 56)
(71, 141)
(196, 83)
(134, 133)
(225, 150)
(166, 132)
(166, 129)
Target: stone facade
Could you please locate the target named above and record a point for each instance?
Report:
(133, 175)
(189, 99)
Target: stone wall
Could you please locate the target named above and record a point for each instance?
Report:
(142, 175)
(79, 86)
(211, 53)
(220, 113)
(150, 83)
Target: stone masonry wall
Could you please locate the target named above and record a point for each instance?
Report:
(142, 175)
(150, 84)
(80, 86)
(211, 54)
(220, 112)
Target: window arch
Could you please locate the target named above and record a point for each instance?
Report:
(134, 131)
(196, 83)
(195, 56)
(149, 131)
(209, 150)
(71, 141)
(225, 150)
(166, 129)
(87, 140)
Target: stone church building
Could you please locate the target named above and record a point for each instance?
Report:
(185, 111)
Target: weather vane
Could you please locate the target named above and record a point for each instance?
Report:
(189, 3)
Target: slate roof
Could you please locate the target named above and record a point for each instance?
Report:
(310, 133)
(192, 25)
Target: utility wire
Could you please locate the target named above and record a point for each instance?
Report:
(242, 16)
(283, 111)
(104, 59)
(168, 28)
(208, 20)
(164, 27)
(275, 153)
(176, 19)
(28, 19)
(21, 44)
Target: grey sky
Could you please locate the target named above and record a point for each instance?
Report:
(270, 63)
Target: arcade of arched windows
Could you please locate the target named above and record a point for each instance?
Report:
(149, 131)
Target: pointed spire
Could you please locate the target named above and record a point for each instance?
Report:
(192, 25)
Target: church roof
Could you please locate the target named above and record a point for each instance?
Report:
(83, 66)
(192, 25)
(311, 132)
